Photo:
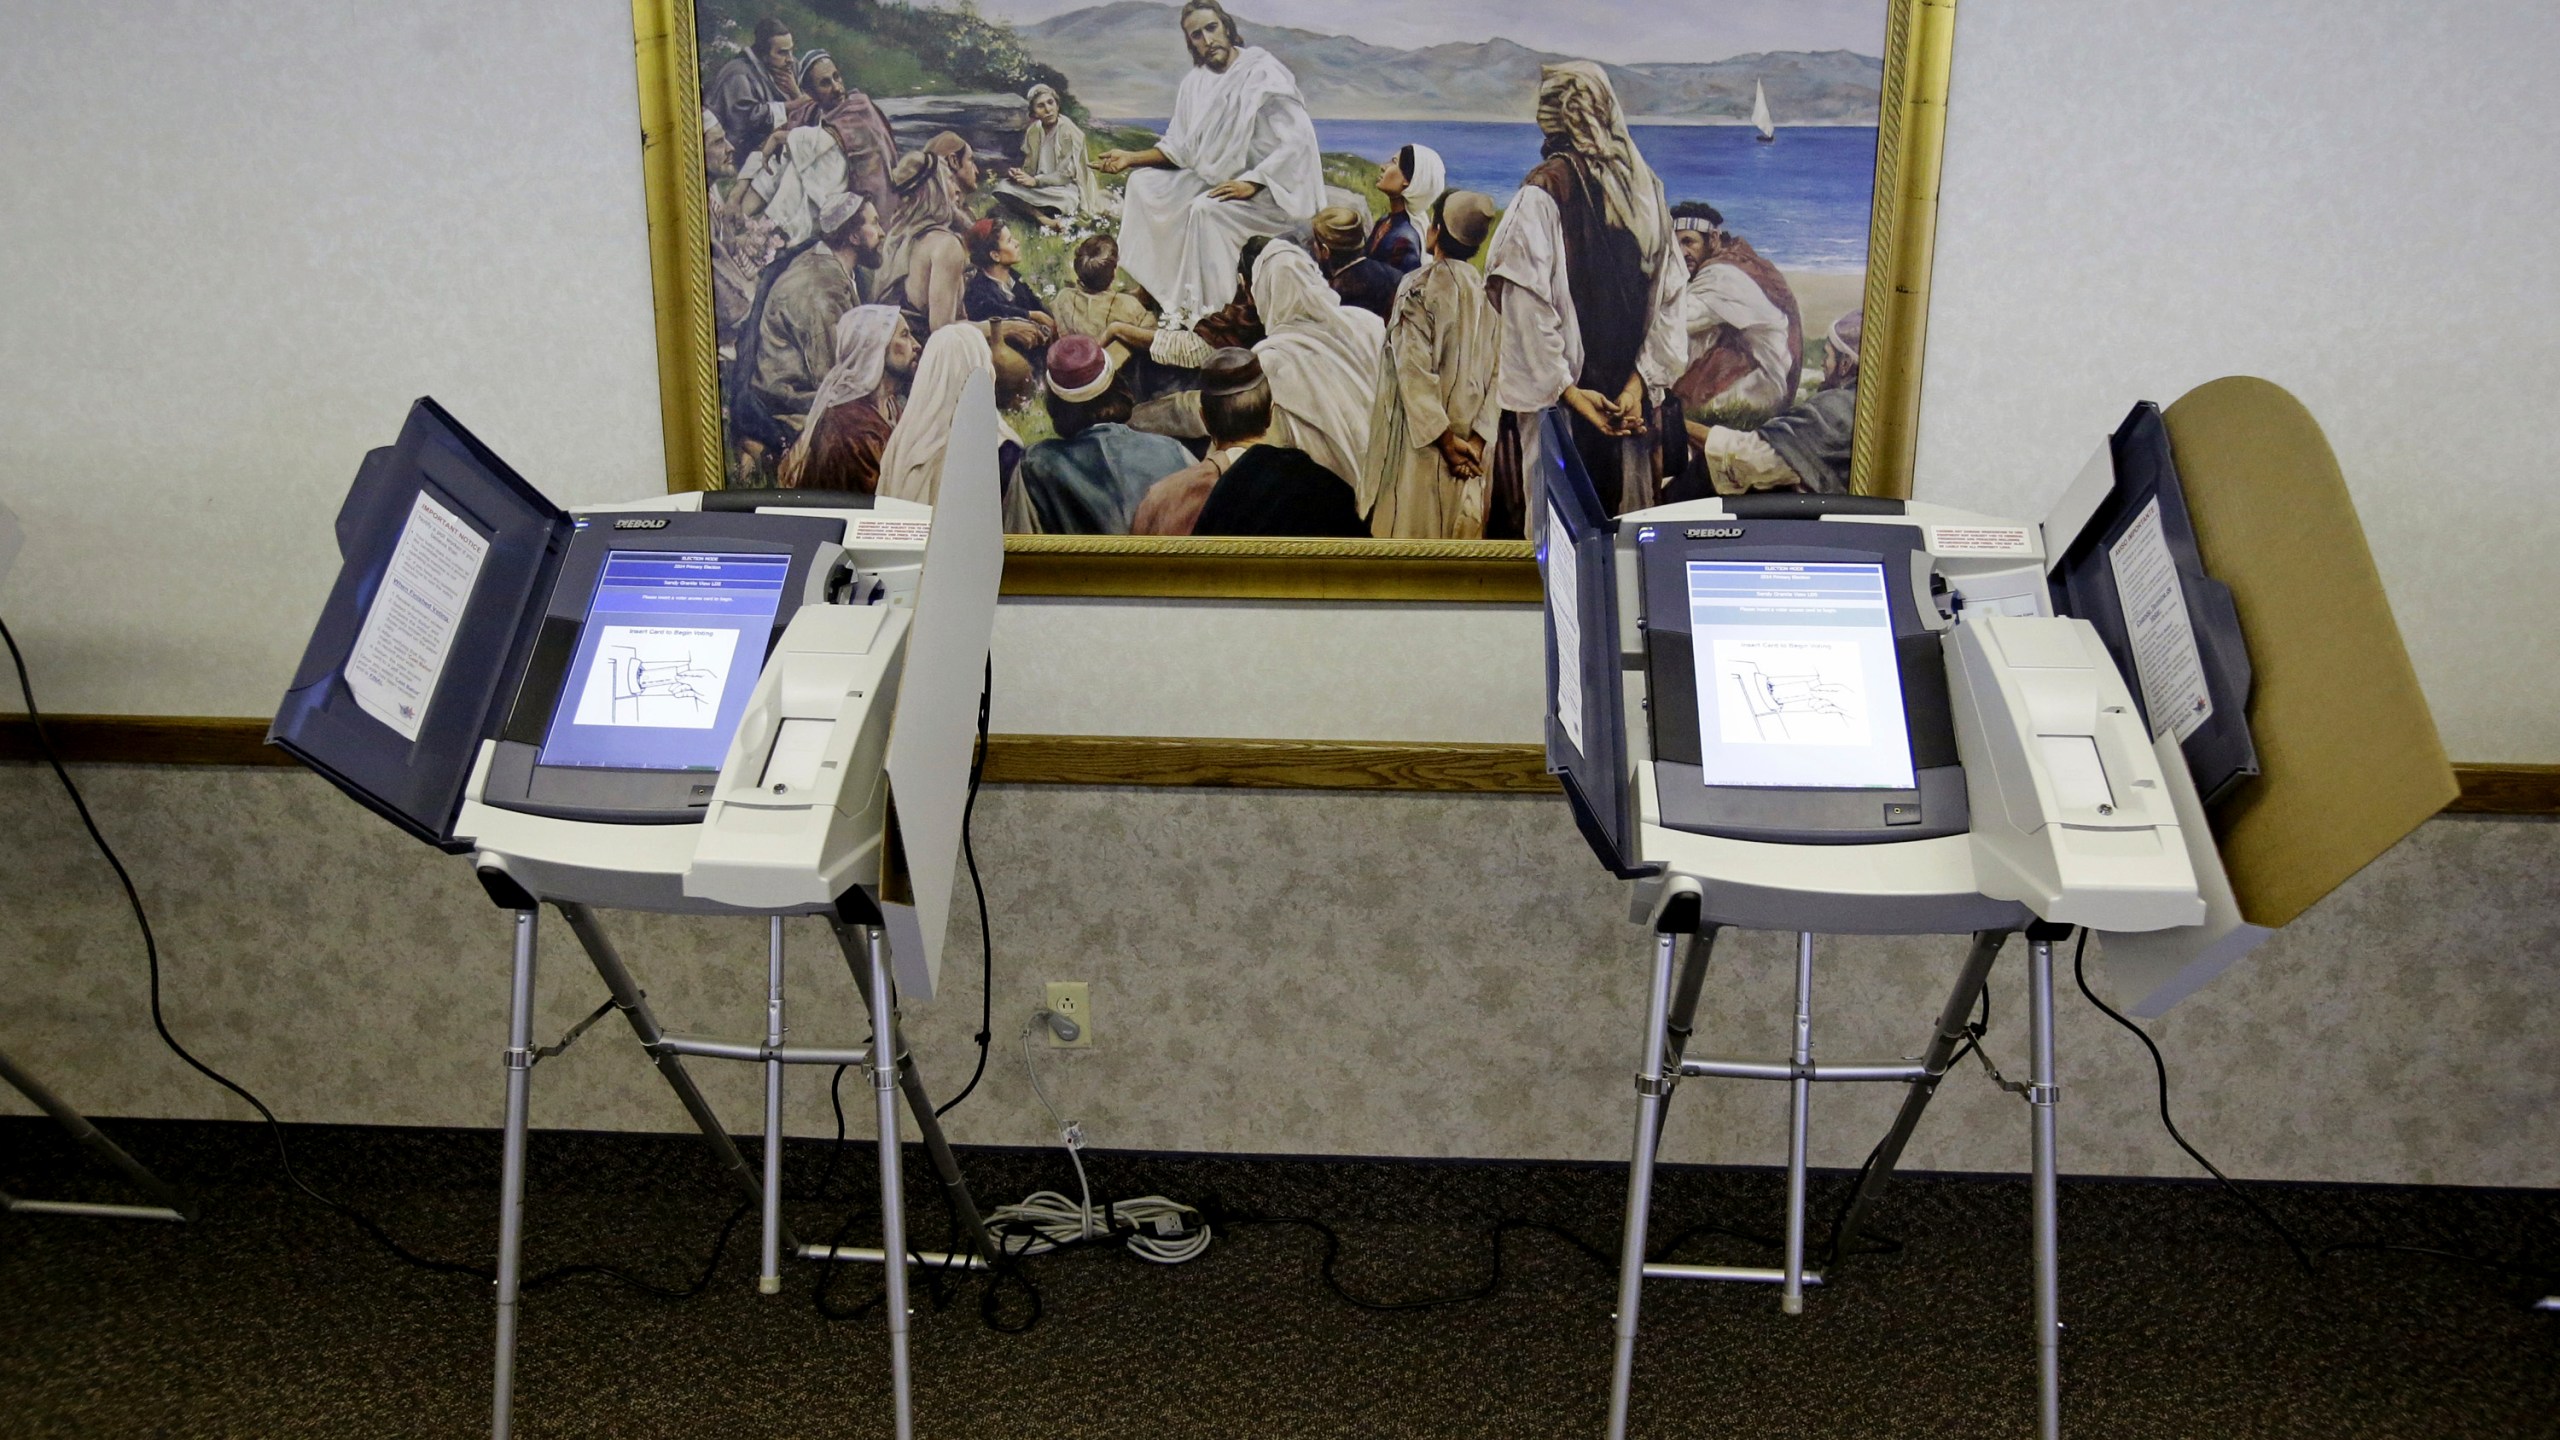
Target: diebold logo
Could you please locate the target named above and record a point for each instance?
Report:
(640, 524)
(1716, 532)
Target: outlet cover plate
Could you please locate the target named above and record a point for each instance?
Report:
(1073, 999)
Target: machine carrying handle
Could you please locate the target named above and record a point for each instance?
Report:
(716, 502)
(1789, 505)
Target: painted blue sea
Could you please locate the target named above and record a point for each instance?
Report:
(1802, 200)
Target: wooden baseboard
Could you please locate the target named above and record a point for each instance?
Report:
(1267, 764)
(143, 740)
(2507, 790)
(1472, 769)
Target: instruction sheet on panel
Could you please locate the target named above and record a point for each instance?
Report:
(2156, 623)
(399, 655)
(1564, 612)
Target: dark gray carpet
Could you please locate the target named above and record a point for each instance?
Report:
(274, 1317)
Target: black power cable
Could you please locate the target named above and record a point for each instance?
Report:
(1491, 1285)
(2301, 1253)
(275, 1127)
(986, 938)
(2160, 1069)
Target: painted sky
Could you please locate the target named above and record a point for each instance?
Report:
(1625, 32)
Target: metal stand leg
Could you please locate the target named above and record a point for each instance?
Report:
(1940, 1054)
(2042, 1093)
(172, 1206)
(519, 1060)
(1799, 1098)
(627, 996)
(854, 940)
(1651, 1088)
(882, 1000)
(1682, 1022)
(769, 1279)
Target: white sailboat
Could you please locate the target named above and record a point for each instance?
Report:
(1760, 114)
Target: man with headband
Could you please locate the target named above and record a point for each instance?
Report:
(860, 131)
(1746, 337)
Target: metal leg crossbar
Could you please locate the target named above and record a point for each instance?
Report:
(1670, 1019)
(173, 1205)
(884, 1059)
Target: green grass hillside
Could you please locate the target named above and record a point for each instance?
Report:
(888, 48)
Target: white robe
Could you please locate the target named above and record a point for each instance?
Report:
(1246, 123)
(1321, 358)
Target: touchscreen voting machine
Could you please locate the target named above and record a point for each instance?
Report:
(1844, 714)
(744, 703)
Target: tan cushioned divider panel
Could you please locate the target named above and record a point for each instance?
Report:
(2349, 753)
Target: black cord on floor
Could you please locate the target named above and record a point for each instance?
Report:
(1491, 1286)
(986, 937)
(275, 1127)
(2160, 1069)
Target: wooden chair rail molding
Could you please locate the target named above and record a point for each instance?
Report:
(1107, 760)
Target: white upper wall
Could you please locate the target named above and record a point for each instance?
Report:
(218, 299)
(2357, 201)
(209, 319)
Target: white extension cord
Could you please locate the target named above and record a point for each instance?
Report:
(1166, 1232)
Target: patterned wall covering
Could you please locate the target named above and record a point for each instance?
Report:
(1273, 972)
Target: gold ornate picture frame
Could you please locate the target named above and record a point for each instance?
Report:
(1910, 132)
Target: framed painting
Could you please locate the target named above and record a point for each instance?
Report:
(1273, 289)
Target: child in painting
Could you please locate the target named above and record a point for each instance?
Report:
(1017, 319)
(1095, 304)
(994, 292)
(1358, 277)
(1412, 183)
(1426, 476)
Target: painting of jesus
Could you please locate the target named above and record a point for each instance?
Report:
(1376, 239)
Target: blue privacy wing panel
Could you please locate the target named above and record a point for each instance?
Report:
(1586, 703)
(446, 556)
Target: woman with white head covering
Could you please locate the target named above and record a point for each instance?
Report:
(1320, 357)
(1591, 287)
(857, 405)
(1055, 181)
(911, 466)
(1412, 182)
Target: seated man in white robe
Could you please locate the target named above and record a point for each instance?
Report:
(1237, 160)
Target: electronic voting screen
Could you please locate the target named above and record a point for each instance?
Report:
(667, 659)
(1796, 676)
(1796, 690)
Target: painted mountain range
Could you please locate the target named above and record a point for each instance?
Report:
(1124, 59)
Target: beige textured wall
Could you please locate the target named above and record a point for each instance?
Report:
(1273, 973)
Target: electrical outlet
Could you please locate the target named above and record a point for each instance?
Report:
(1072, 999)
